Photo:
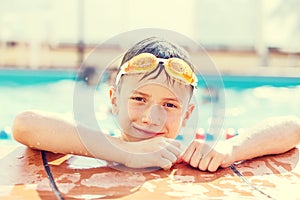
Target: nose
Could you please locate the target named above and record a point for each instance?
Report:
(154, 115)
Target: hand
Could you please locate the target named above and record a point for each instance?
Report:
(156, 152)
(205, 157)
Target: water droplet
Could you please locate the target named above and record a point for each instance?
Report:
(38, 143)
(20, 156)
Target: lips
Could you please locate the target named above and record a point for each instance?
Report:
(147, 132)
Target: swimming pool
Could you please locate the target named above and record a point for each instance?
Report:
(249, 99)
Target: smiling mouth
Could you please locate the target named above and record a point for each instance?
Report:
(149, 133)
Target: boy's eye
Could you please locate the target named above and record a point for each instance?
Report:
(139, 99)
(170, 105)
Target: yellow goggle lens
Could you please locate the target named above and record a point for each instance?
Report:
(141, 62)
(146, 62)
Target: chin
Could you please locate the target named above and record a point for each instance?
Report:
(129, 138)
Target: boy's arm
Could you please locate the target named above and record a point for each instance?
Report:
(272, 136)
(51, 132)
(47, 131)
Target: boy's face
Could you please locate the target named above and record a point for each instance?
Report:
(150, 108)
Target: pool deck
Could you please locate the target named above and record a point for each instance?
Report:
(23, 176)
(228, 62)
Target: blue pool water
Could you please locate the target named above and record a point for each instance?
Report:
(248, 100)
(11, 77)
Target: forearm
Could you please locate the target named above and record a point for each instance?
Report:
(50, 132)
(272, 136)
(47, 131)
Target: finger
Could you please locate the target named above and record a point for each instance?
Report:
(174, 142)
(214, 164)
(225, 164)
(189, 152)
(196, 157)
(204, 162)
(169, 156)
(174, 149)
(187, 155)
(165, 164)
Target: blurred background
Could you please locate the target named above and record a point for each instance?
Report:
(255, 45)
(239, 35)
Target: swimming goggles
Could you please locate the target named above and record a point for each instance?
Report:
(146, 62)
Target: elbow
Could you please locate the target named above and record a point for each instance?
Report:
(294, 123)
(22, 127)
(297, 125)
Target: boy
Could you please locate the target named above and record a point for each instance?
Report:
(151, 101)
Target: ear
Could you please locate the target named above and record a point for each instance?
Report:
(113, 100)
(187, 114)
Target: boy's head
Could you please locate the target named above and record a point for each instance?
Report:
(153, 89)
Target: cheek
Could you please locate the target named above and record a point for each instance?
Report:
(173, 124)
(174, 117)
(134, 112)
(123, 114)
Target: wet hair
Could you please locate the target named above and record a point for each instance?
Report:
(161, 48)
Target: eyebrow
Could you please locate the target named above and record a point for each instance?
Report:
(141, 93)
(171, 99)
